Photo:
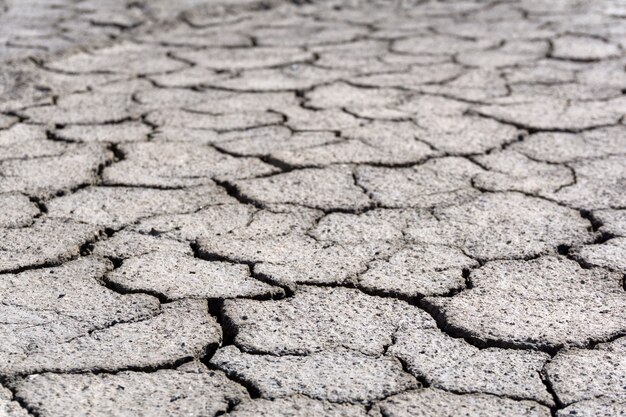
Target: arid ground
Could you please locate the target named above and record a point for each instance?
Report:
(312, 208)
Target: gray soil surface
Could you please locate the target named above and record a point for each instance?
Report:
(360, 208)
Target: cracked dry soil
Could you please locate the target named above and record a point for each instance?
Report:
(312, 208)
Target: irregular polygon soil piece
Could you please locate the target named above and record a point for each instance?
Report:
(164, 393)
(514, 171)
(438, 182)
(342, 95)
(317, 319)
(266, 140)
(440, 109)
(414, 78)
(594, 408)
(112, 133)
(215, 102)
(290, 258)
(396, 142)
(127, 244)
(478, 84)
(583, 48)
(418, 270)
(116, 207)
(613, 221)
(602, 73)
(127, 58)
(179, 98)
(231, 59)
(295, 405)
(210, 15)
(292, 77)
(183, 330)
(336, 377)
(610, 255)
(237, 222)
(551, 114)
(323, 264)
(182, 134)
(455, 365)
(206, 223)
(510, 373)
(118, 85)
(515, 53)
(178, 164)
(600, 184)
(177, 276)
(255, 102)
(463, 134)
(569, 147)
(22, 141)
(85, 108)
(541, 73)
(363, 63)
(567, 91)
(325, 189)
(308, 33)
(434, 402)
(194, 120)
(440, 44)
(186, 78)
(45, 176)
(47, 241)
(184, 36)
(53, 305)
(354, 151)
(299, 118)
(383, 225)
(503, 226)
(580, 374)
(17, 210)
(548, 302)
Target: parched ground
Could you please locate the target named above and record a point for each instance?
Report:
(312, 208)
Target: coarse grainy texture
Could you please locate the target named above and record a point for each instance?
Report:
(355, 208)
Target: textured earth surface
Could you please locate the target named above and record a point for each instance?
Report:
(312, 208)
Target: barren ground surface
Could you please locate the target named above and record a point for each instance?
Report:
(325, 208)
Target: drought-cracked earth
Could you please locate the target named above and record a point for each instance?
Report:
(312, 208)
